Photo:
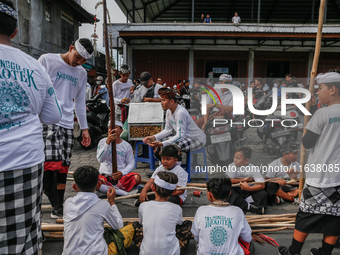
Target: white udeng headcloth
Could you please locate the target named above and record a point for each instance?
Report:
(81, 50)
(163, 184)
(327, 77)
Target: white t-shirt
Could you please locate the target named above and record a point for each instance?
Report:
(88, 91)
(236, 19)
(159, 220)
(181, 174)
(326, 152)
(217, 229)
(226, 98)
(139, 94)
(27, 99)
(125, 157)
(245, 171)
(277, 169)
(121, 90)
(70, 84)
(184, 126)
(84, 216)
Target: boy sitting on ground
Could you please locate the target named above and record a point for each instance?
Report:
(169, 164)
(220, 218)
(125, 163)
(285, 167)
(164, 231)
(247, 197)
(84, 215)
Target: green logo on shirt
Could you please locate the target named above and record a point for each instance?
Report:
(64, 76)
(218, 236)
(334, 120)
(218, 220)
(10, 70)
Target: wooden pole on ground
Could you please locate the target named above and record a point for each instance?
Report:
(109, 82)
(311, 88)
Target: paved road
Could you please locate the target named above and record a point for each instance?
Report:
(126, 208)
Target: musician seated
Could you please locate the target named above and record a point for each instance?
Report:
(287, 168)
(247, 196)
(124, 178)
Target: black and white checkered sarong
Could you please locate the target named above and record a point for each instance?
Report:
(58, 146)
(187, 144)
(20, 201)
(321, 200)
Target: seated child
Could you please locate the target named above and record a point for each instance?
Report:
(285, 167)
(218, 226)
(84, 215)
(247, 197)
(162, 221)
(125, 163)
(169, 160)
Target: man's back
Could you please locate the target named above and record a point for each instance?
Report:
(27, 98)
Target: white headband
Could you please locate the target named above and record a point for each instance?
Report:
(163, 184)
(327, 77)
(81, 50)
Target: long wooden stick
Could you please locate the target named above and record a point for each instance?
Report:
(109, 83)
(311, 88)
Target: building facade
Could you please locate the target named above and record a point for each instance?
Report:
(269, 48)
(48, 26)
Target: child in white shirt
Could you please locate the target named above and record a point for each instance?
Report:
(160, 219)
(285, 167)
(169, 164)
(125, 163)
(218, 226)
(247, 197)
(319, 206)
(84, 215)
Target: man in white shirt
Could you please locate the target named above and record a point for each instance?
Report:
(69, 81)
(125, 162)
(148, 92)
(121, 91)
(188, 136)
(213, 110)
(27, 99)
(236, 18)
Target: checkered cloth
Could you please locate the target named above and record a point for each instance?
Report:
(20, 201)
(321, 200)
(186, 144)
(58, 147)
(189, 144)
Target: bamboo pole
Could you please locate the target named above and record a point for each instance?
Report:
(270, 230)
(109, 82)
(311, 88)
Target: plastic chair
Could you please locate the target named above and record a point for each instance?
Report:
(192, 156)
(150, 159)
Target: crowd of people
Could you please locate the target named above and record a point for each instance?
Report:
(38, 98)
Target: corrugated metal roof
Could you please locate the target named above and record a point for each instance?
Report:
(271, 11)
(227, 27)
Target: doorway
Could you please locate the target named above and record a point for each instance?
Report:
(221, 66)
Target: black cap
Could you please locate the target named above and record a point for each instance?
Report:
(288, 74)
(145, 77)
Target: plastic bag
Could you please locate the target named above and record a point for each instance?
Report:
(125, 134)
